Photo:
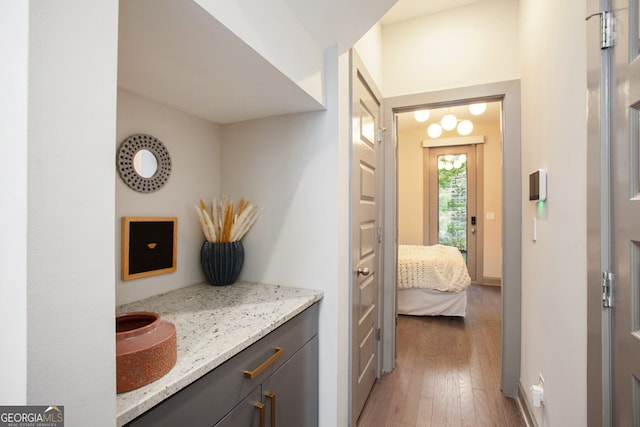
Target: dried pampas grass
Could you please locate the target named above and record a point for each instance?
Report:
(224, 222)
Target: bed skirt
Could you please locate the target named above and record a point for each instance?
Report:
(427, 302)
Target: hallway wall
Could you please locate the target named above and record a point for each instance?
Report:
(554, 138)
(14, 43)
(71, 197)
(296, 168)
(552, 74)
(467, 46)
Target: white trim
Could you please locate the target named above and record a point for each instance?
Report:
(447, 142)
(525, 409)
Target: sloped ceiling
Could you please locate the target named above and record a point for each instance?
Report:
(339, 21)
(404, 10)
(175, 53)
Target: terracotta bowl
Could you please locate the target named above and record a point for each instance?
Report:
(146, 349)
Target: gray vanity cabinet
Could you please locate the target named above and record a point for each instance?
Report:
(289, 397)
(275, 378)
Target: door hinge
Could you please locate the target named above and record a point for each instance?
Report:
(607, 283)
(379, 234)
(380, 132)
(607, 36)
(378, 334)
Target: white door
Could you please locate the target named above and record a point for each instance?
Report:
(453, 218)
(625, 164)
(365, 222)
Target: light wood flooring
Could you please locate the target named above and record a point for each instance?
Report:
(447, 371)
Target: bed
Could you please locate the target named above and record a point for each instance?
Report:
(432, 280)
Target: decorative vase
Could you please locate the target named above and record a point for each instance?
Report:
(146, 349)
(222, 262)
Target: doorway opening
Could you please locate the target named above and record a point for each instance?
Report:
(450, 183)
(507, 94)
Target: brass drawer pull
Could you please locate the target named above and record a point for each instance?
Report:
(260, 407)
(252, 374)
(272, 397)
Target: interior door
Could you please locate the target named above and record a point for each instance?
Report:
(453, 219)
(625, 177)
(365, 243)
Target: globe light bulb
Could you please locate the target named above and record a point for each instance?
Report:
(434, 130)
(448, 122)
(465, 127)
(478, 108)
(421, 115)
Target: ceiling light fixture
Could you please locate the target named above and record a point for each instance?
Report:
(421, 115)
(434, 130)
(478, 108)
(449, 122)
(465, 127)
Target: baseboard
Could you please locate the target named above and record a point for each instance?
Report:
(525, 409)
(493, 281)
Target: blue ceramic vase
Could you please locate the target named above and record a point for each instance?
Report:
(222, 262)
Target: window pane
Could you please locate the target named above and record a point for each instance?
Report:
(452, 201)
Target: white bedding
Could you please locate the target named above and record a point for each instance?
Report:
(427, 302)
(436, 267)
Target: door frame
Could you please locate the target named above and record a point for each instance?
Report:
(430, 233)
(509, 93)
(599, 227)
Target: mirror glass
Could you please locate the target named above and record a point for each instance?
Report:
(145, 163)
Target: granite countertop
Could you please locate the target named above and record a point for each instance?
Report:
(213, 324)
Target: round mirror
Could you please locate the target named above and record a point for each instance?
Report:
(144, 163)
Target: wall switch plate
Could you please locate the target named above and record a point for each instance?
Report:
(537, 395)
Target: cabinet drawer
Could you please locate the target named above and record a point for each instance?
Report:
(211, 397)
(247, 413)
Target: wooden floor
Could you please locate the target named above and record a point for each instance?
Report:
(447, 371)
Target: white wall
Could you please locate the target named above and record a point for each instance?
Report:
(296, 168)
(492, 194)
(71, 180)
(369, 49)
(481, 40)
(14, 39)
(194, 147)
(554, 267)
(410, 187)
